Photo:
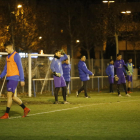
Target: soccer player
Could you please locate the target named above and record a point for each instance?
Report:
(84, 75)
(66, 72)
(59, 81)
(119, 66)
(110, 73)
(129, 77)
(14, 73)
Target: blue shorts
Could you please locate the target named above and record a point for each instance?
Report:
(121, 80)
(129, 78)
(111, 80)
(11, 85)
(59, 81)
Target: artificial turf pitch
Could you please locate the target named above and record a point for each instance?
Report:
(104, 116)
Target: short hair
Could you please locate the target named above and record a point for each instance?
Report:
(118, 54)
(8, 43)
(129, 58)
(111, 60)
(56, 51)
(81, 56)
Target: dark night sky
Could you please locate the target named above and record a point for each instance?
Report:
(88, 2)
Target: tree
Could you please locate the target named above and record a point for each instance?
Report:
(26, 31)
(4, 27)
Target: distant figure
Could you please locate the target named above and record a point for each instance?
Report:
(84, 75)
(119, 66)
(110, 73)
(129, 77)
(59, 80)
(66, 72)
(14, 73)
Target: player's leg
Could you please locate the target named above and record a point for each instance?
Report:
(19, 102)
(10, 85)
(118, 85)
(9, 103)
(57, 84)
(129, 85)
(64, 93)
(81, 89)
(64, 89)
(67, 84)
(111, 81)
(111, 88)
(56, 94)
(129, 78)
(85, 88)
(124, 86)
(118, 89)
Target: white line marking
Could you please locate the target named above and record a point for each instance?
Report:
(69, 109)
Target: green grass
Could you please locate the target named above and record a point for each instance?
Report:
(104, 116)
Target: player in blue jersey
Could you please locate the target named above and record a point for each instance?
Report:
(110, 73)
(119, 66)
(84, 75)
(129, 77)
(59, 81)
(66, 72)
(14, 73)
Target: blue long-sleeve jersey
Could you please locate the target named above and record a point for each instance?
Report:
(20, 68)
(66, 71)
(56, 65)
(83, 71)
(110, 70)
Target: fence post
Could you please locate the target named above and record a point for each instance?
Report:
(52, 88)
(132, 85)
(92, 71)
(98, 85)
(72, 70)
(29, 76)
(102, 59)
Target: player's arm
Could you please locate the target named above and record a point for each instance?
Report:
(126, 68)
(124, 65)
(20, 68)
(84, 68)
(115, 71)
(70, 66)
(63, 57)
(52, 65)
(4, 72)
(107, 71)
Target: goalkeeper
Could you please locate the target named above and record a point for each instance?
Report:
(59, 80)
(119, 66)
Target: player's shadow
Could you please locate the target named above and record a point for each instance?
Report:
(12, 113)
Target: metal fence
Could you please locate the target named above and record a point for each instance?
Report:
(41, 70)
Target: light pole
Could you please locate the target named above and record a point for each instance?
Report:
(108, 2)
